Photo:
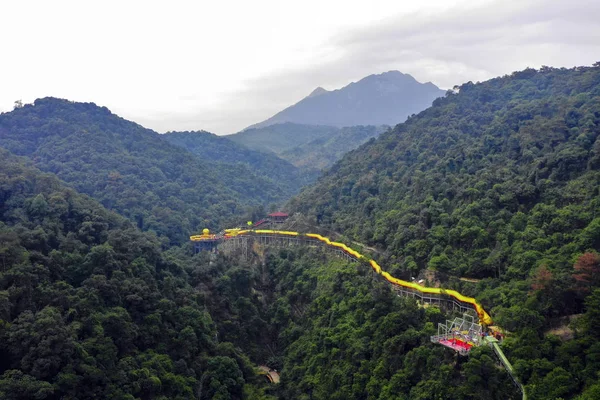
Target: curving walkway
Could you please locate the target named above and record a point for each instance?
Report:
(484, 317)
(426, 294)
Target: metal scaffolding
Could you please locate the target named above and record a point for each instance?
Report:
(245, 242)
(440, 300)
(460, 334)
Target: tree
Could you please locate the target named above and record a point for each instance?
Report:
(591, 317)
(225, 379)
(593, 392)
(587, 271)
(15, 385)
(556, 385)
(41, 342)
(591, 234)
(542, 278)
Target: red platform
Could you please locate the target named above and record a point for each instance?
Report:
(456, 344)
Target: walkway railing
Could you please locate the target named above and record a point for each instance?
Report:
(237, 238)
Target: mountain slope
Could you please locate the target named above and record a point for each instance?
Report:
(384, 99)
(91, 308)
(510, 142)
(322, 153)
(222, 151)
(131, 169)
(281, 137)
(499, 181)
(308, 147)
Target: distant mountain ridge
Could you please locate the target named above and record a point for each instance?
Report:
(219, 150)
(382, 99)
(311, 148)
(322, 153)
(279, 138)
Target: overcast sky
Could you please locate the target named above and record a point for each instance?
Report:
(223, 65)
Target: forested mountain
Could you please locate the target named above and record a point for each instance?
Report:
(323, 152)
(383, 99)
(222, 152)
(281, 137)
(90, 308)
(336, 332)
(309, 147)
(500, 181)
(132, 170)
(347, 336)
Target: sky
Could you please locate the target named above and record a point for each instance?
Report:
(221, 66)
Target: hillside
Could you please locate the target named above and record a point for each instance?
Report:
(335, 333)
(132, 170)
(308, 147)
(221, 151)
(323, 152)
(91, 308)
(281, 137)
(383, 99)
(498, 181)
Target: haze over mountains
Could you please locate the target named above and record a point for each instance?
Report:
(383, 99)
(221, 151)
(281, 137)
(315, 132)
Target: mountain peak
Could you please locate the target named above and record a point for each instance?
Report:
(392, 73)
(318, 91)
(391, 77)
(379, 99)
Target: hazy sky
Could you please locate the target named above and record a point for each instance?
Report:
(223, 65)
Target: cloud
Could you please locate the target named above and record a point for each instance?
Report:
(200, 65)
(479, 43)
(447, 48)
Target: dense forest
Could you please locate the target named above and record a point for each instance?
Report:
(133, 171)
(323, 152)
(311, 148)
(345, 335)
(497, 181)
(496, 184)
(222, 152)
(281, 137)
(90, 308)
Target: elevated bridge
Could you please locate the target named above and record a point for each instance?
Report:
(448, 334)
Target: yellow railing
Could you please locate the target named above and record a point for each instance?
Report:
(484, 317)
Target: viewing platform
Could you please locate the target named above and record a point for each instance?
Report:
(206, 241)
(460, 334)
